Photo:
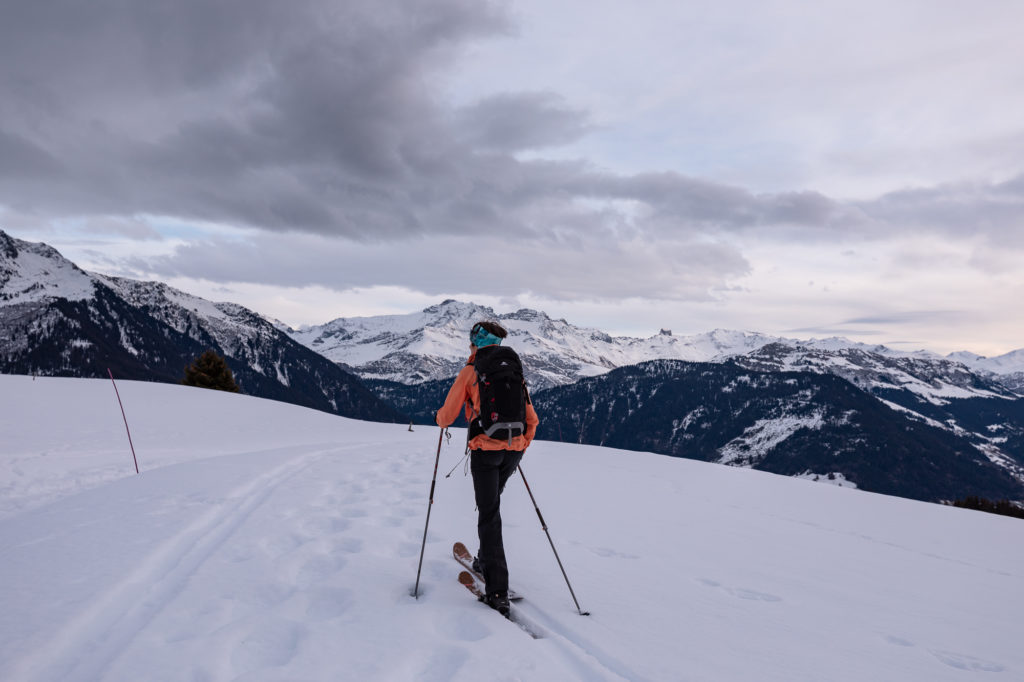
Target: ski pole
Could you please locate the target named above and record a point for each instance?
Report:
(433, 483)
(449, 474)
(545, 527)
(130, 444)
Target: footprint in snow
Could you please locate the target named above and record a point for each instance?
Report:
(612, 554)
(318, 568)
(462, 627)
(349, 545)
(967, 663)
(268, 644)
(740, 592)
(328, 602)
(325, 525)
(897, 641)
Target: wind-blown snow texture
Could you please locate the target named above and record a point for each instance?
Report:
(269, 542)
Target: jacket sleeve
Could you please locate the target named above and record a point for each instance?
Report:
(458, 394)
(531, 421)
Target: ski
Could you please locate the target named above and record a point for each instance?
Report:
(464, 558)
(469, 582)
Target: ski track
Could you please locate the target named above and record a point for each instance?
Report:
(287, 592)
(586, 657)
(111, 622)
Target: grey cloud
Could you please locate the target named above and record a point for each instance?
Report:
(993, 209)
(831, 330)
(323, 117)
(20, 157)
(200, 110)
(516, 121)
(948, 317)
(604, 270)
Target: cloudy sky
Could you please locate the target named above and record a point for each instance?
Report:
(849, 168)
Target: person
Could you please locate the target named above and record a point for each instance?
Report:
(493, 458)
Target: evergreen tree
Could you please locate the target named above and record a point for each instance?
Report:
(1004, 507)
(210, 370)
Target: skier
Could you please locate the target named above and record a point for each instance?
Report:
(498, 437)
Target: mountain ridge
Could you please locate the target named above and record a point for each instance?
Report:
(63, 321)
(432, 344)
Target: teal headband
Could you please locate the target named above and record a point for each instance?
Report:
(480, 337)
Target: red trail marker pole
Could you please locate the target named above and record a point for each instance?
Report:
(134, 458)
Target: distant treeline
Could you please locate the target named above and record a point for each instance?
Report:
(1004, 507)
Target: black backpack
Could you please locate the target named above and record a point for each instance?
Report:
(503, 396)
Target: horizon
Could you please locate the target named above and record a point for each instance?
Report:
(498, 311)
(672, 166)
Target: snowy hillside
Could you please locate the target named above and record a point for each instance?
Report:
(269, 542)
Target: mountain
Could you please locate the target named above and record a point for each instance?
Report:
(947, 395)
(810, 424)
(1008, 369)
(954, 428)
(916, 424)
(433, 345)
(792, 423)
(59, 320)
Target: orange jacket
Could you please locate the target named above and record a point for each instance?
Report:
(465, 392)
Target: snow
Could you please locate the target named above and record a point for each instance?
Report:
(36, 273)
(832, 478)
(263, 541)
(1008, 363)
(765, 435)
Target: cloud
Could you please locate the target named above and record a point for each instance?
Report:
(498, 265)
(20, 157)
(947, 317)
(517, 121)
(994, 210)
(134, 229)
(322, 126)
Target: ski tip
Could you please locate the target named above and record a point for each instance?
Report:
(466, 578)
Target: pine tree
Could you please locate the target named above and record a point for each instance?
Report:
(210, 370)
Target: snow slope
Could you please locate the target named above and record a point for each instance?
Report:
(268, 542)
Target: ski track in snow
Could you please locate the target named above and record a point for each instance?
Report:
(293, 585)
(109, 624)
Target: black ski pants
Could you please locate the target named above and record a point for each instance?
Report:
(491, 470)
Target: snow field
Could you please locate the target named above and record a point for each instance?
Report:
(267, 542)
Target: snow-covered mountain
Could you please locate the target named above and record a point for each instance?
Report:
(432, 344)
(278, 543)
(59, 320)
(916, 423)
(797, 423)
(1008, 369)
(877, 369)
